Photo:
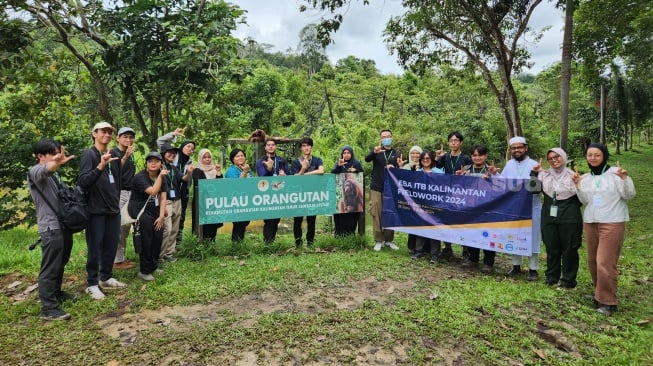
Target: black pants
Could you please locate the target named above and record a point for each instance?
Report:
(152, 239)
(238, 232)
(209, 231)
(427, 245)
(270, 227)
(562, 242)
(475, 253)
(310, 229)
(102, 236)
(345, 223)
(56, 246)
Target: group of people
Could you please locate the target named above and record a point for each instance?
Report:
(158, 197)
(557, 219)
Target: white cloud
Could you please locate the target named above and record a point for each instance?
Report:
(278, 23)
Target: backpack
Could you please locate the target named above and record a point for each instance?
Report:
(72, 213)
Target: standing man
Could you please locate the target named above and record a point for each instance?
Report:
(452, 162)
(171, 225)
(520, 167)
(382, 157)
(304, 165)
(56, 242)
(125, 150)
(268, 166)
(99, 176)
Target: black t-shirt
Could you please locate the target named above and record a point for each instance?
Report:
(452, 164)
(140, 183)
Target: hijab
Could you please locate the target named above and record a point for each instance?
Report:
(603, 167)
(413, 164)
(558, 180)
(208, 169)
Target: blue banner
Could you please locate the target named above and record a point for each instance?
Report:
(493, 213)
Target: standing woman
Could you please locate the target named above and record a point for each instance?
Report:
(149, 189)
(562, 222)
(206, 170)
(604, 191)
(345, 223)
(413, 164)
(238, 169)
(427, 165)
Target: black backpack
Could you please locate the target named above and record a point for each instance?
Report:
(72, 213)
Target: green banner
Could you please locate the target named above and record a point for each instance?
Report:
(242, 199)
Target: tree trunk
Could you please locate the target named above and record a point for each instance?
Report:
(565, 73)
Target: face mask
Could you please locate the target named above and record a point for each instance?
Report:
(386, 141)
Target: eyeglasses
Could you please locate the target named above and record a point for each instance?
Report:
(513, 148)
(554, 157)
(454, 140)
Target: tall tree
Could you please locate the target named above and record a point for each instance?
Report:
(565, 72)
(482, 36)
(312, 52)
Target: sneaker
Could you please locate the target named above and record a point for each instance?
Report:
(54, 314)
(447, 253)
(145, 277)
(124, 265)
(486, 268)
(170, 258)
(64, 296)
(378, 246)
(418, 255)
(158, 271)
(551, 282)
(514, 272)
(435, 259)
(391, 245)
(111, 284)
(467, 263)
(95, 292)
(592, 299)
(532, 275)
(607, 309)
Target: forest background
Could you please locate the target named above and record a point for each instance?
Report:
(156, 66)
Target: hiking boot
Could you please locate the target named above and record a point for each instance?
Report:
(124, 265)
(486, 268)
(551, 282)
(514, 272)
(170, 258)
(435, 259)
(607, 309)
(378, 245)
(391, 245)
(145, 277)
(95, 292)
(532, 275)
(112, 284)
(54, 314)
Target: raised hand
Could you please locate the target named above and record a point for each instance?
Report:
(400, 160)
(492, 170)
(441, 151)
(621, 172)
(538, 167)
(576, 177)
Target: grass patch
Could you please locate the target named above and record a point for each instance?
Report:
(340, 302)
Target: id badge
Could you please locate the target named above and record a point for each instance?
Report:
(172, 193)
(111, 180)
(554, 211)
(156, 201)
(597, 200)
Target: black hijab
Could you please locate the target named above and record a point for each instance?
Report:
(598, 170)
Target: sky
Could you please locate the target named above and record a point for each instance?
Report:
(278, 23)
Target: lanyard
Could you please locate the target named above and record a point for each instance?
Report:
(453, 164)
(597, 182)
(387, 157)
